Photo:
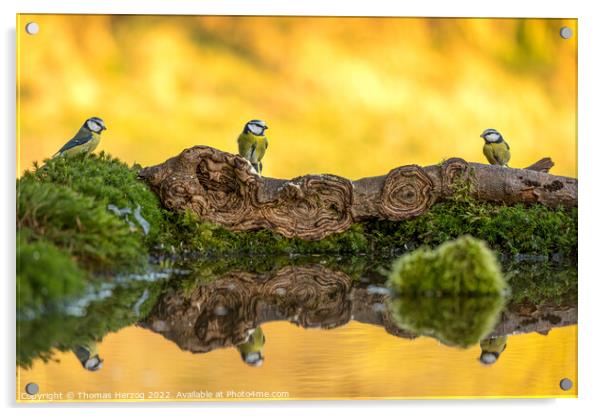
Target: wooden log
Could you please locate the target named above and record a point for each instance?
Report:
(223, 188)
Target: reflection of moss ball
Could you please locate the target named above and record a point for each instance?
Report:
(456, 321)
(465, 266)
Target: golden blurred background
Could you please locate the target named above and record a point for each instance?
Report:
(349, 96)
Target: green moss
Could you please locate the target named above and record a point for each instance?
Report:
(187, 232)
(453, 320)
(108, 181)
(80, 225)
(465, 266)
(37, 261)
(534, 229)
(63, 206)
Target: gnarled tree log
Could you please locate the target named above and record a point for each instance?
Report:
(224, 188)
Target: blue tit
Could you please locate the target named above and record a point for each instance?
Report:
(251, 351)
(492, 348)
(252, 143)
(496, 150)
(88, 356)
(86, 139)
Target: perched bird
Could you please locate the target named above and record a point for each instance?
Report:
(86, 139)
(251, 351)
(492, 348)
(496, 150)
(252, 143)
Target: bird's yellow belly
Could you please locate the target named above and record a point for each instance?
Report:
(88, 147)
(496, 153)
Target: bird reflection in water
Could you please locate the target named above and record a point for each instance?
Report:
(87, 355)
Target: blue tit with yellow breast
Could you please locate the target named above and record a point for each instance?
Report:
(492, 348)
(495, 149)
(251, 351)
(86, 140)
(87, 355)
(252, 143)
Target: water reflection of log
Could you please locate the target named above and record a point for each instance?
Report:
(223, 313)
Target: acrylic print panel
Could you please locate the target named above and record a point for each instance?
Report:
(450, 272)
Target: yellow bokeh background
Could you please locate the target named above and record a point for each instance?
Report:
(349, 96)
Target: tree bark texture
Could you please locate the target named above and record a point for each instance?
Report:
(223, 188)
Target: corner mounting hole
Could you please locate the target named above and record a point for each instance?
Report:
(32, 28)
(32, 388)
(566, 384)
(566, 32)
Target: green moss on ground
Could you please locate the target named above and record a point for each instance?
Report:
(515, 229)
(187, 232)
(465, 266)
(534, 229)
(106, 180)
(64, 206)
(78, 224)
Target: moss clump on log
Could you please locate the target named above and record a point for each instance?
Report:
(463, 267)
(107, 180)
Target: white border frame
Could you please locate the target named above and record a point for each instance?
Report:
(590, 68)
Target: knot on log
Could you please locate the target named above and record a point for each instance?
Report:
(311, 207)
(454, 171)
(223, 188)
(407, 193)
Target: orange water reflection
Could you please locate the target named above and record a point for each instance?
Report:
(354, 361)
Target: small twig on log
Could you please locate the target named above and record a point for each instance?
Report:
(223, 188)
(543, 165)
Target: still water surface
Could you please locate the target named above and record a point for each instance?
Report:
(355, 361)
(306, 332)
